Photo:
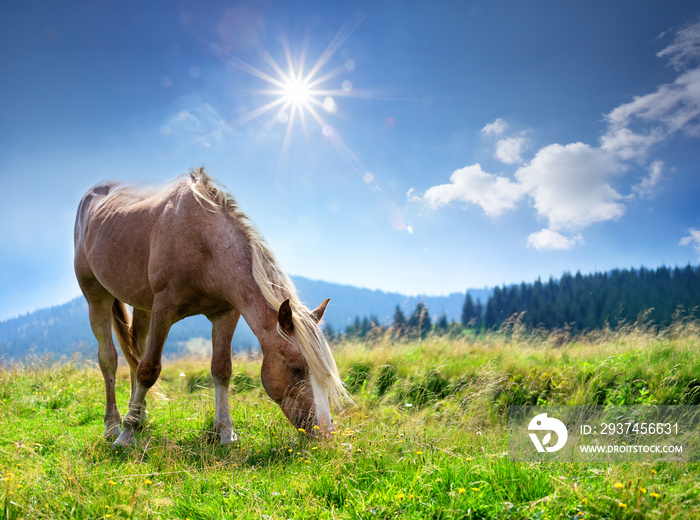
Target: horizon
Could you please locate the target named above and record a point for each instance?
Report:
(419, 150)
(557, 279)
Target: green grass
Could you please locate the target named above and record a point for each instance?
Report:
(425, 439)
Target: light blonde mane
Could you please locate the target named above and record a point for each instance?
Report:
(276, 286)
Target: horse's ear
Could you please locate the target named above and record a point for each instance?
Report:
(317, 313)
(284, 317)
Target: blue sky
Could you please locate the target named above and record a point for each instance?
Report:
(450, 144)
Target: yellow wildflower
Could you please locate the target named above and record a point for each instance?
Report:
(653, 472)
(302, 430)
(112, 483)
(622, 504)
(642, 490)
(654, 495)
(461, 490)
(147, 482)
(619, 485)
(400, 496)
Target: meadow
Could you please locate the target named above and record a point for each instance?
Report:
(425, 437)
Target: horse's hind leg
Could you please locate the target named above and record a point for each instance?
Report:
(223, 327)
(101, 323)
(148, 371)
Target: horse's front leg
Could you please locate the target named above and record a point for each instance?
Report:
(223, 327)
(146, 376)
(141, 320)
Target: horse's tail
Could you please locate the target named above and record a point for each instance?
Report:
(123, 328)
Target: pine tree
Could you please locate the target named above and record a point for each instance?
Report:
(400, 322)
(469, 314)
(585, 302)
(419, 322)
(442, 325)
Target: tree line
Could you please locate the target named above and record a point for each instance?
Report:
(416, 325)
(578, 302)
(587, 302)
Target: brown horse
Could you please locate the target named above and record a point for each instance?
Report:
(188, 249)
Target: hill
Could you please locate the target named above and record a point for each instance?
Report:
(65, 329)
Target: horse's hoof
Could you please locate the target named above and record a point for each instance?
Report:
(124, 440)
(112, 432)
(229, 438)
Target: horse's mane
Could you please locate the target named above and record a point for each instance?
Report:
(275, 285)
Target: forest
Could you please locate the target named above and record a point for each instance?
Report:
(598, 300)
(575, 302)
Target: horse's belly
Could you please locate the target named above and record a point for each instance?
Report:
(139, 298)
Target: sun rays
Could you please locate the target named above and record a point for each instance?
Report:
(304, 101)
(302, 96)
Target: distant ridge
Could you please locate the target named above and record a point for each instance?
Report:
(64, 330)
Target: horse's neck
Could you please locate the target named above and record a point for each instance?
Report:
(244, 291)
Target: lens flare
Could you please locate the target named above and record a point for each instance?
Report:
(302, 93)
(297, 93)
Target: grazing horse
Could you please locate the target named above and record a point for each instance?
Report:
(188, 249)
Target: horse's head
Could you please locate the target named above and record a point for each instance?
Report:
(289, 380)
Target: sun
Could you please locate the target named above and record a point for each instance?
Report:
(303, 93)
(298, 93)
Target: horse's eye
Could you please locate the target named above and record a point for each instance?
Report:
(298, 372)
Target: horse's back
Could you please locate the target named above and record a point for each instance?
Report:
(136, 242)
(114, 231)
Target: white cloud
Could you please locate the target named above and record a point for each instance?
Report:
(671, 108)
(684, 48)
(551, 240)
(645, 189)
(693, 239)
(493, 193)
(198, 121)
(498, 127)
(570, 185)
(628, 145)
(510, 150)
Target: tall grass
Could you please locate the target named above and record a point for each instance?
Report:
(425, 438)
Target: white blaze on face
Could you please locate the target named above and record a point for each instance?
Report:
(323, 409)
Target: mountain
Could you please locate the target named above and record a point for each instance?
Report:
(64, 330)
